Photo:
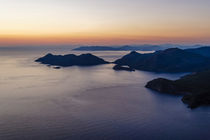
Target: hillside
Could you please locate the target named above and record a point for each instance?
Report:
(169, 60)
(195, 88)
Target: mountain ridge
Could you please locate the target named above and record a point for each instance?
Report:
(169, 60)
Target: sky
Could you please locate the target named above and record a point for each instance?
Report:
(104, 22)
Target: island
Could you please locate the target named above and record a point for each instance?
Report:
(123, 68)
(194, 87)
(71, 60)
(170, 60)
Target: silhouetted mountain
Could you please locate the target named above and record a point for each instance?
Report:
(169, 60)
(195, 87)
(71, 60)
(204, 51)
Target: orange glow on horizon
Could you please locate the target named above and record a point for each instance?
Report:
(12, 40)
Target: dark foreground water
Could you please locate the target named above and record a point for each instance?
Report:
(90, 103)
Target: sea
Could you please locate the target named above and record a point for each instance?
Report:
(38, 102)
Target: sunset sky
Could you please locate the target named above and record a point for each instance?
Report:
(104, 22)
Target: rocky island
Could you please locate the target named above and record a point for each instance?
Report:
(195, 88)
(71, 60)
(122, 68)
(169, 60)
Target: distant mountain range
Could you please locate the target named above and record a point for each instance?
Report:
(145, 47)
(169, 60)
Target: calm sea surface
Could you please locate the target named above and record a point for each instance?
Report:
(90, 103)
